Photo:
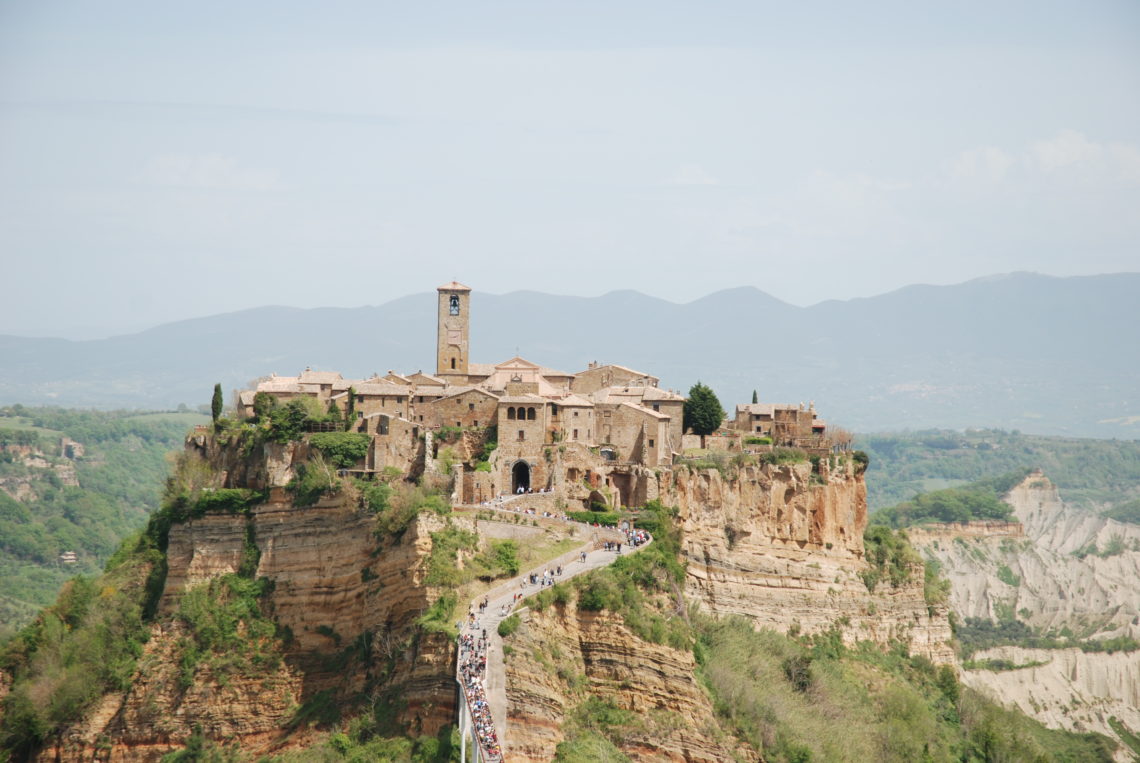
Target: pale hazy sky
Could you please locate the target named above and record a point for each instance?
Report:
(160, 161)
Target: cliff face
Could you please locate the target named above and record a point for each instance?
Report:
(561, 654)
(1068, 569)
(344, 600)
(786, 551)
(1069, 689)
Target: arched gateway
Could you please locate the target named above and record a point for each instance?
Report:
(520, 477)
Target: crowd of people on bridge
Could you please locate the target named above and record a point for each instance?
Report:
(473, 671)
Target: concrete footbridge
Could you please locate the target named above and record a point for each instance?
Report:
(479, 667)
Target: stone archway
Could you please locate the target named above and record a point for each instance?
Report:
(520, 477)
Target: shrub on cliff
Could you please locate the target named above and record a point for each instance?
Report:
(344, 449)
(890, 555)
(312, 481)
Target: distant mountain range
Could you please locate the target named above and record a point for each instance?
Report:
(1020, 351)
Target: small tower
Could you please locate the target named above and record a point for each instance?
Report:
(454, 335)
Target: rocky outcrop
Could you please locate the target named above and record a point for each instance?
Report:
(561, 655)
(1066, 688)
(1072, 569)
(784, 547)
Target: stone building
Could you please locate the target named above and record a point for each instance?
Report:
(593, 436)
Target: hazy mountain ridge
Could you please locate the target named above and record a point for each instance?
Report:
(1026, 351)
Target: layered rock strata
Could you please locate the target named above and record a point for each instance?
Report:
(783, 546)
(562, 654)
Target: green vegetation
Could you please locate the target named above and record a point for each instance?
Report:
(890, 555)
(226, 629)
(1126, 734)
(442, 567)
(643, 587)
(216, 404)
(312, 481)
(120, 477)
(86, 644)
(344, 449)
(778, 456)
(588, 729)
(754, 440)
(979, 500)
(702, 411)
(977, 634)
(816, 700)
(1128, 511)
(1092, 472)
(397, 505)
(1005, 575)
(608, 518)
(509, 625)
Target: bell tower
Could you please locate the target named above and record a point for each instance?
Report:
(454, 323)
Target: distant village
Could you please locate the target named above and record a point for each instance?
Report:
(591, 437)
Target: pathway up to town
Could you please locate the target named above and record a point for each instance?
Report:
(484, 689)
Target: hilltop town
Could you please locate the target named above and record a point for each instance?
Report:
(589, 438)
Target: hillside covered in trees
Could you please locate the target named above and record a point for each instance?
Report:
(119, 470)
(1099, 474)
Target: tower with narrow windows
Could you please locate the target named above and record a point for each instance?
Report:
(454, 330)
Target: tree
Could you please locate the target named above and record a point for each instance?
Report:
(702, 412)
(350, 410)
(755, 397)
(216, 404)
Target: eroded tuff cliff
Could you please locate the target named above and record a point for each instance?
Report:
(562, 654)
(344, 601)
(783, 546)
(1066, 688)
(1061, 570)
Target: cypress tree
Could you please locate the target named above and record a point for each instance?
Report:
(755, 397)
(216, 404)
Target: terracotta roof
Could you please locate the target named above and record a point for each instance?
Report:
(575, 401)
(633, 371)
(456, 391)
(319, 377)
(381, 388)
(516, 399)
(647, 411)
(246, 396)
(279, 384)
(453, 286)
(480, 369)
(428, 391)
(435, 380)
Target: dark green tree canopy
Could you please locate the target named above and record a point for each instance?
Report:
(703, 413)
(217, 403)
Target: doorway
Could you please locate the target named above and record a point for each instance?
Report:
(520, 477)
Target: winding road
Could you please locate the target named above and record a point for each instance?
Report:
(494, 677)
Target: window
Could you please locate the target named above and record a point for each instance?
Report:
(453, 305)
(360, 398)
(530, 414)
(575, 434)
(522, 435)
(575, 414)
(656, 407)
(511, 414)
(651, 443)
(471, 406)
(453, 364)
(553, 409)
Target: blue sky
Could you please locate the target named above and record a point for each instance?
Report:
(161, 161)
